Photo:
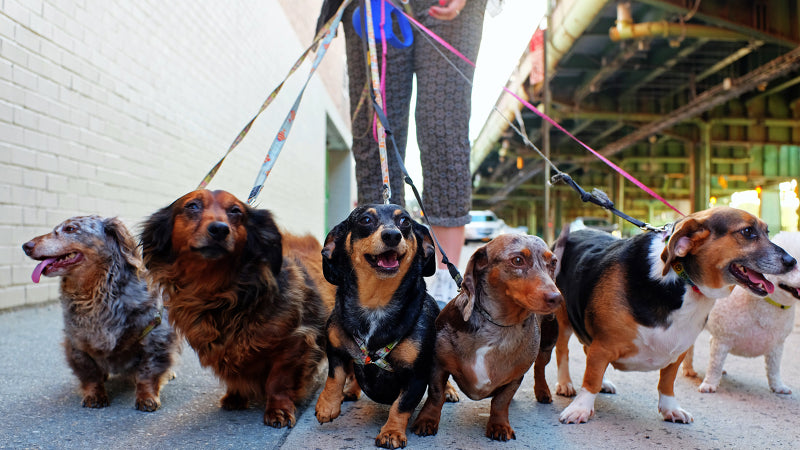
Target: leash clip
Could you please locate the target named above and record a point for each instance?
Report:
(387, 192)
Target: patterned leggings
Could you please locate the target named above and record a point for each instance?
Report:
(442, 112)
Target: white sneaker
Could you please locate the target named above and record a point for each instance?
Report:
(442, 287)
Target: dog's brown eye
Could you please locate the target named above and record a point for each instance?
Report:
(366, 220)
(517, 261)
(403, 222)
(192, 206)
(235, 210)
(70, 229)
(749, 233)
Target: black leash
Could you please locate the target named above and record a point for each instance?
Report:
(600, 199)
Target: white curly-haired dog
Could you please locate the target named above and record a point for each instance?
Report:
(747, 325)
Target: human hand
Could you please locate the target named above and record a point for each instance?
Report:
(447, 9)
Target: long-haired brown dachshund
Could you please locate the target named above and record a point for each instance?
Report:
(250, 300)
(112, 324)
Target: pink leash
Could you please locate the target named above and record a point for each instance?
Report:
(619, 170)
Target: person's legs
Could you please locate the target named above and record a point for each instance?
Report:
(443, 111)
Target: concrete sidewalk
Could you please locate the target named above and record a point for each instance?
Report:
(41, 408)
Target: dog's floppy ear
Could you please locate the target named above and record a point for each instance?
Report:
(156, 236)
(264, 241)
(686, 236)
(115, 230)
(465, 300)
(332, 265)
(425, 241)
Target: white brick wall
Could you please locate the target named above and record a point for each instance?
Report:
(118, 107)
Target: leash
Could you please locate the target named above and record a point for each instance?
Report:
(324, 32)
(383, 123)
(618, 169)
(283, 133)
(377, 99)
(597, 197)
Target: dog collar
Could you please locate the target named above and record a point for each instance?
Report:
(486, 316)
(380, 356)
(681, 271)
(773, 302)
(152, 324)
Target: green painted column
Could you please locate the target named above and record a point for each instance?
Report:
(702, 169)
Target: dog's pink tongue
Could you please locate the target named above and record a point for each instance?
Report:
(388, 262)
(37, 272)
(757, 278)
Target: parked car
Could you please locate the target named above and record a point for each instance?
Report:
(484, 226)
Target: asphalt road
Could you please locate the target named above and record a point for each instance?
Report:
(40, 408)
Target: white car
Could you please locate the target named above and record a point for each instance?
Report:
(484, 226)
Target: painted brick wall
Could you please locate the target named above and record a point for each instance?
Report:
(118, 107)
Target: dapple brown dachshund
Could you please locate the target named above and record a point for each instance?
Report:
(112, 323)
(489, 335)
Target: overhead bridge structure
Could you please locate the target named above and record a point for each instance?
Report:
(697, 99)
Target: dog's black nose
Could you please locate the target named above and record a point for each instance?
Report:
(788, 261)
(218, 230)
(28, 247)
(391, 237)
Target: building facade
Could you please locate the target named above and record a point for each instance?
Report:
(117, 108)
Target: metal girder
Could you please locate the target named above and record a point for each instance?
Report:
(711, 98)
(725, 62)
(669, 6)
(669, 64)
(607, 69)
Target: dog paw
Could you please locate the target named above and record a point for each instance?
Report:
(147, 403)
(688, 372)
(543, 395)
(425, 426)
(707, 388)
(450, 393)
(576, 414)
(608, 387)
(781, 389)
(391, 439)
(678, 415)
(580, 410)
(500, 432)
(279, 418)
(327, 411)
(96, 400)
(671, 411)
(566, 389)
(233, 401)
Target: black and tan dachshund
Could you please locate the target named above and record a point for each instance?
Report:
(382, 325)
